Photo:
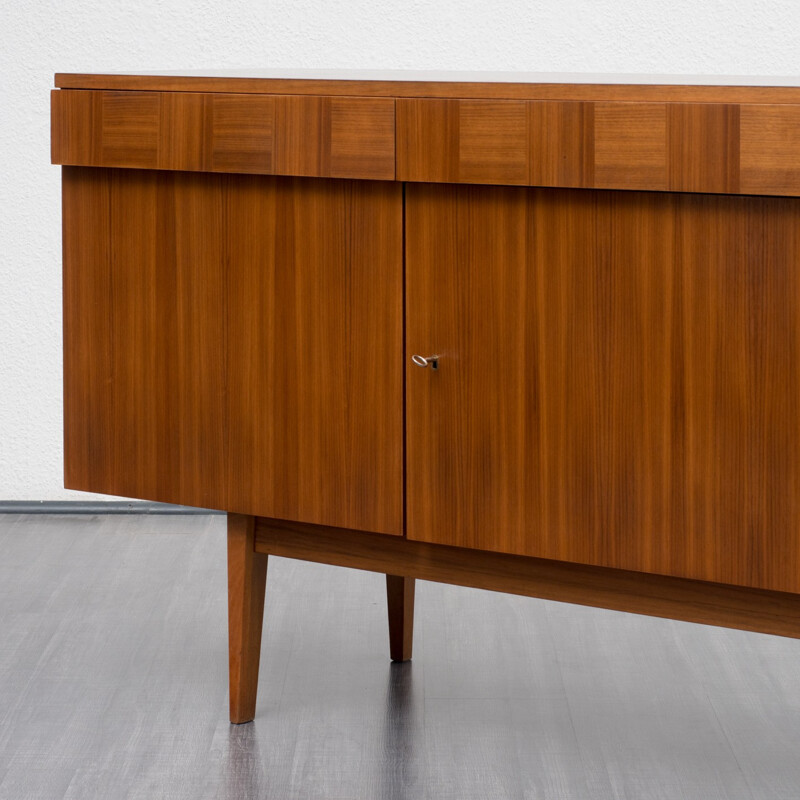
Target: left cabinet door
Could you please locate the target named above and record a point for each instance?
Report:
(235, 342)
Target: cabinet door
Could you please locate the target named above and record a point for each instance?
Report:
(235, 342)
(617, 382)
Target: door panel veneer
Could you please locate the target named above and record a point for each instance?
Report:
(144, 336)
(235, 342)
(618, 379)
(315, 397)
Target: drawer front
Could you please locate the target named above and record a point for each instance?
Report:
(683, 147)
(329, 137)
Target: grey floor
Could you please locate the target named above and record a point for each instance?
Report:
(113, 684)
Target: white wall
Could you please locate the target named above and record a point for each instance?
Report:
(737, 37)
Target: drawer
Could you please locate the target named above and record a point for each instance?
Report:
(329, 137)
(684, 147)
(515, 142)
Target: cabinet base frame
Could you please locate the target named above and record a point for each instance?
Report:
(252, 539)
(724, 605)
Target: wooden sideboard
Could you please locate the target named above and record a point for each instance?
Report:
(527, 334)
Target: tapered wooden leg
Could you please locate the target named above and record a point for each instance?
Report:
(247, 581)
(400, 599)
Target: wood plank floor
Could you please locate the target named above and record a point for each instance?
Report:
(113, 685)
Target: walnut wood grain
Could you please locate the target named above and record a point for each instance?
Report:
(630, 145)
(428, 140)
(541, 86)
(400, 603)
(541, 143)
(144, 335)
(242, 133)
(703, 147)
(677, 146)
(618, 381)
(687, 147)
(235, 342)
(247, 581)
(315, 373)
(494, 142)
(770, 149)
(337, 137)
(503, 141)
(615, 415)
(562, 144)
(771, 612)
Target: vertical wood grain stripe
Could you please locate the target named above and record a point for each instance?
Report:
(641, 350)
(428, 140)
(228, 339)
(703, 147)
(494, 142)
(562, 143)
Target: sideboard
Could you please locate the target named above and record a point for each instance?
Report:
(532, 334)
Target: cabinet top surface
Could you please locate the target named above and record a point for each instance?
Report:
(490, 85)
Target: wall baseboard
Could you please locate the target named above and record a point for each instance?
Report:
(96, 507)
